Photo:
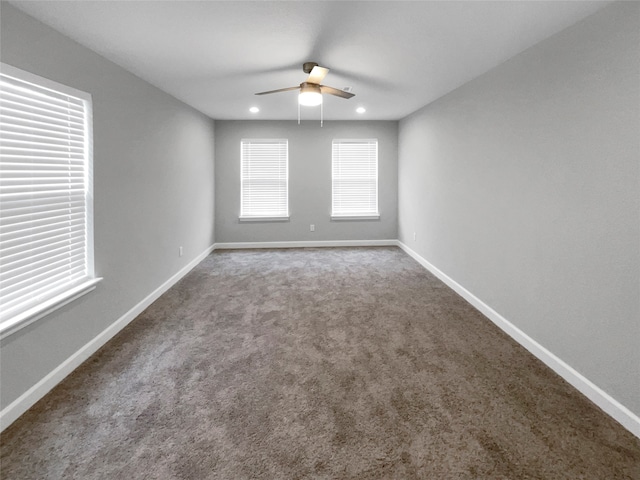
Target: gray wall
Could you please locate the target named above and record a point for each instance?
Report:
(523, 186)
(153, 189)
(309, 181)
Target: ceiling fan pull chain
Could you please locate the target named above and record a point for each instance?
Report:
(321, 114)
(298, 112)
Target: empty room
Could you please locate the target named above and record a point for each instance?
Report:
(319, 239)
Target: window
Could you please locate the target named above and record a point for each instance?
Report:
(264, 180)
(354, 192)
(46, 240)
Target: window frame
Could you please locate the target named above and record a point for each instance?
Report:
(59, 296)
(349, 216)
(248, 216)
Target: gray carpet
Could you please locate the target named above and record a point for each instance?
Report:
(315, 363)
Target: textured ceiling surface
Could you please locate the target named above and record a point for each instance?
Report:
(396, 55)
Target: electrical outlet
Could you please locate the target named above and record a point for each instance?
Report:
(180, 251)
(414, 236)
(312, 228)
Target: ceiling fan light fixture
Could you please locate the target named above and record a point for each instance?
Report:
(310, 95)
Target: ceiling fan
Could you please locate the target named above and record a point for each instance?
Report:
(310, 90)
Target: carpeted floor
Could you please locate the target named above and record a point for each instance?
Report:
(321, 364)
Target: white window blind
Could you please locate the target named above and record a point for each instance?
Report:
(354, 178)
(264, 179)
(45, 194)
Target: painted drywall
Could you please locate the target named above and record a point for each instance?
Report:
(309, 181)
(523, 186)
(153, 192)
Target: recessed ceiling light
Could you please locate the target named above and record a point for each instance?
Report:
(254, 109)
(361, 109)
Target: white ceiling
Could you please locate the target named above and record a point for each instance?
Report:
(396, 55)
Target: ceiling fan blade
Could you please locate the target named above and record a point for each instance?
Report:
(279, 90)
(317, 75)
(336, 92)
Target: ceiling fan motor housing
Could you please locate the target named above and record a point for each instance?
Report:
(310, 87)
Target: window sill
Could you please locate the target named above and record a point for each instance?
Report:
(264, 219)
(18, 322)
(354, 217)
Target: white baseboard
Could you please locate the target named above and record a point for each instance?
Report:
(308, 244)
(602, 399)
(16, 408)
